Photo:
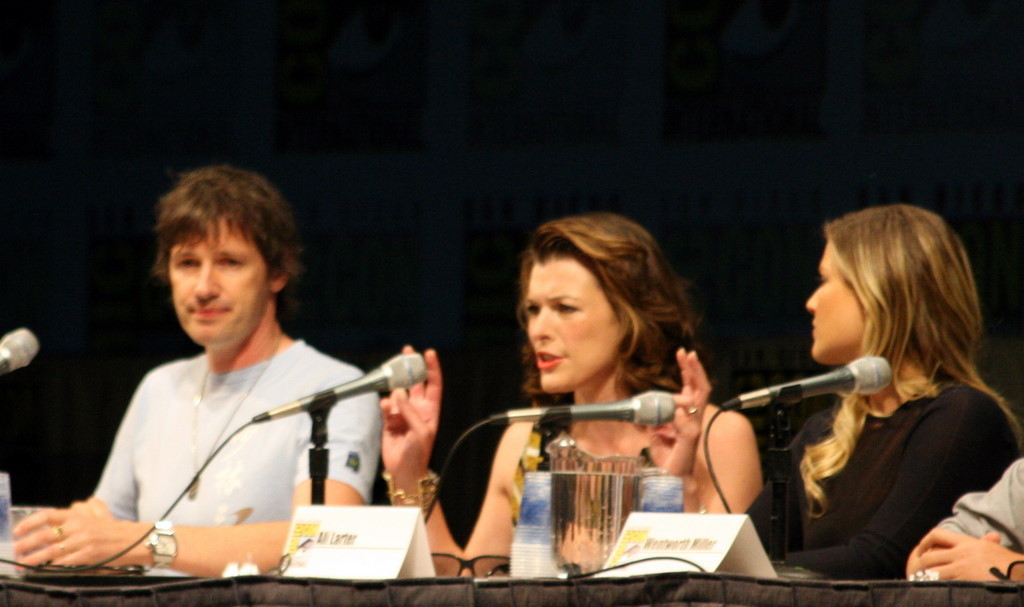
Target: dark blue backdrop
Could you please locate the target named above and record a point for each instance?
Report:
(420, 141)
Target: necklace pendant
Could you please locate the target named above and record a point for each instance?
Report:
(193, 489)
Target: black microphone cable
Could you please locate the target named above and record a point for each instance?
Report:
(49, 568)
(711, 468)
(442, 474)
(649, 559)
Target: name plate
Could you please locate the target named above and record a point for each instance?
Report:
(357, 542)
(726, 543)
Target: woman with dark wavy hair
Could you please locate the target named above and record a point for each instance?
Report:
(605, 318)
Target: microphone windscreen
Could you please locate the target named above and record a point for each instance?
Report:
(870, 374)
(19, 347)
(405, 371)
(655, 408)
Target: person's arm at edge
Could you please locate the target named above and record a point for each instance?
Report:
(92, 535)
(955, 556)
(988, 515)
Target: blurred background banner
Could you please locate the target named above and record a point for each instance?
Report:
(738, 71)
(351, 77)
(420, 143)
(942, 66)
(28, 79)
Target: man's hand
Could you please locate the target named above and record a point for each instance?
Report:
(84, 534)
(954, 556)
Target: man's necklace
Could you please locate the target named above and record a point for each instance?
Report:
(193, 489)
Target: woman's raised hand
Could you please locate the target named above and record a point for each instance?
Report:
(410, 424)
(674, 446)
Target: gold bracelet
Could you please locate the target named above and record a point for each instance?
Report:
(424, 497)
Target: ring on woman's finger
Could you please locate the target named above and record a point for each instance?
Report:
(692, 410)
(924, 575)
(62, 549)
(58, 532)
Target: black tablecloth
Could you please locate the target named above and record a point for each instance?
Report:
(661, 589)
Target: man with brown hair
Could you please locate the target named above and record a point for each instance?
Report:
(228, 247)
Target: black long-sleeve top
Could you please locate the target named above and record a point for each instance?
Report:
(903, 477)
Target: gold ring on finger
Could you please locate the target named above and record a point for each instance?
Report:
(58, 532)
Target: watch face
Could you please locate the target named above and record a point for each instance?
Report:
(165, 545)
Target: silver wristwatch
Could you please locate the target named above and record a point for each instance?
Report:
(162, 544)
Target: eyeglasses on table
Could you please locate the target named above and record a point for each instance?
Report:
(485, 565)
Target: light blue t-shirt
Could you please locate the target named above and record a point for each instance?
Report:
(254, 477)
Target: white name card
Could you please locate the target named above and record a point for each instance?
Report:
(725, 543)
(357, 542)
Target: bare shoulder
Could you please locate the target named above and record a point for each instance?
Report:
(728, 424)
(515, 437)
(732, 446)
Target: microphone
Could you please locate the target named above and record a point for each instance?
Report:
(649, 409)
(402, 371)
(866, 375)
(17, 349)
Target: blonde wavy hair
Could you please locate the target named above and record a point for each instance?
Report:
(913, 279)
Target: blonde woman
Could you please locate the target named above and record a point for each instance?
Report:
(878, 471)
